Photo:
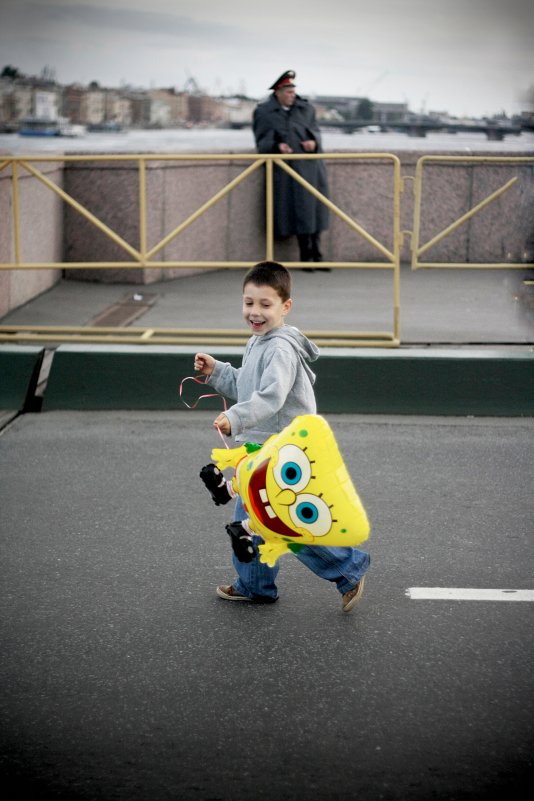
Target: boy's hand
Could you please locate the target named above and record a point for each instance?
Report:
(223, 424)
(204, 363)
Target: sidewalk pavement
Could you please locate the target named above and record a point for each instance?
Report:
(437, 307)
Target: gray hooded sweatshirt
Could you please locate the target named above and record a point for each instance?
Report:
(273, 385)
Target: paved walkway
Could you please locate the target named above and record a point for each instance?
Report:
(437, 307)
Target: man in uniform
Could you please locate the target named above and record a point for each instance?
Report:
(285, 123)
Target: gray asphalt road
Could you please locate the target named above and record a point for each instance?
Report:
(125, 677)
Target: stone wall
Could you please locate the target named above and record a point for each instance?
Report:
(230, 230)
(502, 232)
(41, 227)
(234, 229)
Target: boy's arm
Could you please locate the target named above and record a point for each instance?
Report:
(224, 379)
(275, 385)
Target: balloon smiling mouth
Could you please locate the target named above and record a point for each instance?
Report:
(259, 502)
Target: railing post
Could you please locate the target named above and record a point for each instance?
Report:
(16, 213)
(142, 209)
(269, 206)
(397, 189)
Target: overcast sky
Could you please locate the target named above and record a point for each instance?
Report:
(469, 57)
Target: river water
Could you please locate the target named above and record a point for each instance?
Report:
(212, 140)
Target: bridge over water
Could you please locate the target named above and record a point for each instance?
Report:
(494, 131)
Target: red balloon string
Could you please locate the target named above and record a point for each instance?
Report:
(203, 382)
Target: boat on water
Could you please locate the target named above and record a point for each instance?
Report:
(105, 127)
(38, 126)
(41, 126)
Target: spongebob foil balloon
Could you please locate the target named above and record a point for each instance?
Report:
(295, 489)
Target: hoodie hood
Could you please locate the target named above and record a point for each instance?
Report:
(305, 348)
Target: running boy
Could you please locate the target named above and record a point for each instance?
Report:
(273, 385)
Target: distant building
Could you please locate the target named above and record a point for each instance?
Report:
(389, 113)
(340, 107)
(140, 105)
(236, 112)
(117, 108)
(169, 109)
(326, 105)
(16, 102)
(203, 108)
(17, 99)
(71, 103)
(6, 108)
(93, 106)
(45, 104)
(22, 97)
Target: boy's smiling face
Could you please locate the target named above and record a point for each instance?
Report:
(263, 308)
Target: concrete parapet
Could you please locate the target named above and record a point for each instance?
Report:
(19, 372)
(424, 381)
(41, 226)
(501, 232)
(233, 229)
(375, 381)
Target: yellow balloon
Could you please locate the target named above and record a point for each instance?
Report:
(296, 489)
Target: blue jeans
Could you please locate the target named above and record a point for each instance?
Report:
(344, 566)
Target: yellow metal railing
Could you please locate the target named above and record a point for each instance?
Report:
(419, 250)
(131, 335)
(142, 256)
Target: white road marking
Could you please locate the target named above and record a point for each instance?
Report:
(467, 594)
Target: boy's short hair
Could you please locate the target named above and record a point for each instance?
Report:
(270, 273)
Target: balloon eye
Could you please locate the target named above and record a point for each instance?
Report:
(291, 473)
(311, 513)
(292, 469)
(307, 512)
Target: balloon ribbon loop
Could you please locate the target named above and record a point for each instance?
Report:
(203, 382)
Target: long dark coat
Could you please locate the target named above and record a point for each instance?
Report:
(296, 211)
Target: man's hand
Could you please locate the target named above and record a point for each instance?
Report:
(309, 145)
(283, 148)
